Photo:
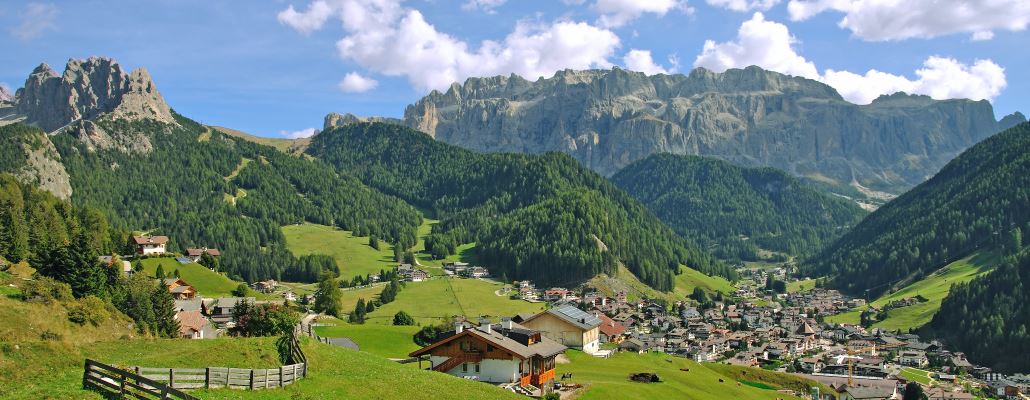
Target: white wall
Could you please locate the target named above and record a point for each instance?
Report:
(152, 249)
(494, 371)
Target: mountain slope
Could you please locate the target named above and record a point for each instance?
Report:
(607, 119)
(181, 179)
(718, 202)
(544, 218)
(978, 200)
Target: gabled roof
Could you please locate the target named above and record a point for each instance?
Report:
(199, 252)
(569, 313)
(610, 327)
(139, 240)
(190, 320)
(544, 348)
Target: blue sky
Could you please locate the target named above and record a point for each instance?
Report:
(275, 67)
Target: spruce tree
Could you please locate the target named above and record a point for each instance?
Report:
(164, 312)
(327, 296)
(160, 273)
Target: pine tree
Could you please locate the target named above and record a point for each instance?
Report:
(358, 315)
(176, 273)
(327, 296)
(160, 273)
(373, 242)
(164, 312)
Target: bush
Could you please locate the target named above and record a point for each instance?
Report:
(46, 290)
(88, 309)
(50, 336)
(403, 318)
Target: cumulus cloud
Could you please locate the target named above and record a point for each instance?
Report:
(383, 37)
(767, 44)
(641, 60)
(355, 83)
(35, 19)
(878, 20)
(310, 20)
(487, 6)
(303, 133)
(743, 5)
(770, 45)
(616, 13)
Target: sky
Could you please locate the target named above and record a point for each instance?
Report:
(276, 68)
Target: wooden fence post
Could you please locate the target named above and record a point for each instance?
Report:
(207, 377)
(171, 377)
(251, 379)
(282, 377)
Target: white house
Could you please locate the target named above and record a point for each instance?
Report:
(147, 245)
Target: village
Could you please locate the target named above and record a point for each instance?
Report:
(759, 325)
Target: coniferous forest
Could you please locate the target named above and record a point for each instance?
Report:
(544, 218)
(978, 200)
(718, 203)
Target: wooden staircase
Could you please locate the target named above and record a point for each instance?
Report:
(453, 362)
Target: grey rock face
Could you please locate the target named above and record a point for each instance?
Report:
(5, 96)
(87, 89)
(609, 118)
(333, 120)
(43, 167)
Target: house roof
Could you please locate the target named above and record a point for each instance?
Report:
(139, 240)
(870, 392)
(497, 337)
(190, 320)
(610, 327)
(199, 252)
(227, 302)
(187, 305)
(581, 319)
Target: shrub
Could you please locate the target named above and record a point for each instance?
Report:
(403, 318)
(50, 336)
(88, 309)
(46, 290)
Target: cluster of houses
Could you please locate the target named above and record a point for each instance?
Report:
(466, 270)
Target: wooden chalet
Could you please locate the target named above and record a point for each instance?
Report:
(194, 254)
(496, 353)
(147, 245)
(179, 289)
(569, 326)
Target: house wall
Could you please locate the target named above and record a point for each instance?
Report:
(147, 249)
(565, 333)
(490, 370)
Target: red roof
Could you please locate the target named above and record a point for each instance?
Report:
(190, 320)
(150, 239)
(198, 252)
(609, 327)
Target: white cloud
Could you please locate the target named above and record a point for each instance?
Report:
(744, 5)
(36, 18)
(487, 6)
(355, 83)
(383, 37)
(881, 20)
(317, 14)
(769, 45)
(303, 133)
(616, 13)
(640, 60)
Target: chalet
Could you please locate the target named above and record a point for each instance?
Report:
(476, 272)
(194, 254)
(409, 273)
(265, 286)
(179, 289)
(556, 294)
(569, 326)
(611, 331)
(869, 393)
(194, 304)
(941, 394)
(220, 310)
(147, 245)
(504, 353)
(193, 325)
(289, 295)
(913, 358)
(632, 344)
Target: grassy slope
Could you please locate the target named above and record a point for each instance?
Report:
(776, 380)
(208, 283)
(689, 279)
(291, 146)
(431, 300)
(801, 285)
(382, 340)
(352, 253)
(609, 379)
(934, 287)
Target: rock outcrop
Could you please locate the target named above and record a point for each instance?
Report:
(30, 156)
(333, 120)
(609, 118)
(87, 89)
(5, 96)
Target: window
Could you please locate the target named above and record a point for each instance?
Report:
(489, 348)
(477, 368)
(464, 367)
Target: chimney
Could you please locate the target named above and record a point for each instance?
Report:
(459, 327)
(484, 325)
(506, 323)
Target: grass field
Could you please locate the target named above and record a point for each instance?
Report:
(609, 379)
(689, 279)
(917, 375)
(801, 285)
(382, 340)
(352, 253)
(934, 288)
(430, 301)
(208, 283)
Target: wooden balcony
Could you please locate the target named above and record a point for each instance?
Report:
(542, 378)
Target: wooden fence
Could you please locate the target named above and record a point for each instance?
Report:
(117, 383)
(165, 383)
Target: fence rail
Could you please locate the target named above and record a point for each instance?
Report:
(165, 383)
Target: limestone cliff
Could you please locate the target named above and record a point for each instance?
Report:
(28, 154)
(333, 120)
(609, 118)
(86, 90)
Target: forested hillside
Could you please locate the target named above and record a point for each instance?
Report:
(206, 189)
(978, 200)
(544, 218)
(988, 318)
(718, 202)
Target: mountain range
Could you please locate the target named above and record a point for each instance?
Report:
(608, 119)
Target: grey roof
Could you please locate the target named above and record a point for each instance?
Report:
(188, 305)
(228, 302)
(544, 348)
(870, 392)
(575, 316)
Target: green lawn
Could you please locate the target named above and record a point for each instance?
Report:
(432, 300)
(803, 285)
(609, 379)
(689, 279)
(934, 288)
(382, 340)
(352, 253)
(916, 375)
(208, 283)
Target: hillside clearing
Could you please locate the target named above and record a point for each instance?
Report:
(207, 282)
(352, 253)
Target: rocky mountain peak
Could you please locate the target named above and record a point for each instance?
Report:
(5, 96)
(1011, 120)
(87, 89)
(334, 120)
